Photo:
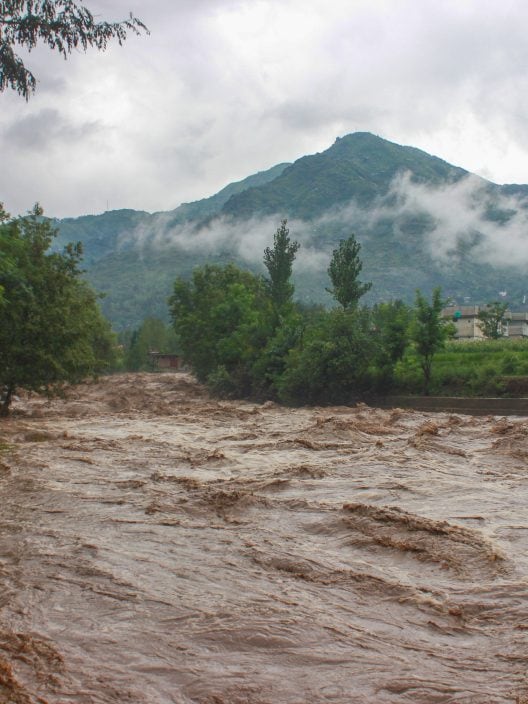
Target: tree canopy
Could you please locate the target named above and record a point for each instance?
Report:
(222, 319)
(429, 331)
(491, 319)
(344, 270)
(62, 25)
(334, 361)
(243, 335)
(51, 328)
(278, 260)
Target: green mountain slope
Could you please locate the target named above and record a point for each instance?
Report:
(109, 232)
(347, 188)
(99, 233)
(359, 166)
(208, 207)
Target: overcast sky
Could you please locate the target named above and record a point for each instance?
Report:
(222, 89)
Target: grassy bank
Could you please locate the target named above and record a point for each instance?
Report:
(470, 368)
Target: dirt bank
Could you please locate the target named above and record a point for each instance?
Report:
(158, 546)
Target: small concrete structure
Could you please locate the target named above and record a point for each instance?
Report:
(163, 361)
(518, 325)
(465, 319)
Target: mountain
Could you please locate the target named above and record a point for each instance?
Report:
(99, 233)
(208, 207)
(104, 234)
(421, 222)
(359, 166)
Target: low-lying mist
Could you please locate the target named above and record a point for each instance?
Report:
(469, 216)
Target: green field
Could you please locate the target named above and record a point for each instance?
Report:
(470, 368)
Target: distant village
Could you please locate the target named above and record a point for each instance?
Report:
(468, 326)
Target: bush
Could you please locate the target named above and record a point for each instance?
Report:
(509, 363)
(333, 363)
(229, 384)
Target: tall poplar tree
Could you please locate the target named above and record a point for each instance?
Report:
(278, 260)
(344, 270)
(429, 331)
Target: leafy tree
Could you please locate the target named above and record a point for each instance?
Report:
(51, 328)
(429, 331)
(279, 261)
(272, 359)
(223, 320)
(344, 270)
(63, 25)
(491, 319)
(391, 322)
(333, 362)
(391, 325)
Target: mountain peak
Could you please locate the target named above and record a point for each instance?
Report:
(359, 166)
(359, 137)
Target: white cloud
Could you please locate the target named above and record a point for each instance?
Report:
(224, 88)
(457, 217)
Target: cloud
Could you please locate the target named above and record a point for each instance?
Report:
(469, 215)
(224, 88)
(247, 238)
(46, 129)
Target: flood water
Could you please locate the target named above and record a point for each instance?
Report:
(158, 546)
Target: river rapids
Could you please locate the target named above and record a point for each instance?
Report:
(158, 546)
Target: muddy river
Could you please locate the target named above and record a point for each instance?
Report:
(158, 546)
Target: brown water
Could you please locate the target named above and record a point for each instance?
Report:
(157, 546)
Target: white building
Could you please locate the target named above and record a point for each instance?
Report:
(467, 323)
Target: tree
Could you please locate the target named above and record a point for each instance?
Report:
(391, 326)
(63, 25)
(334, 362)
(391, 323)
(490, 319)
(271, 361)
(222, 318)
(429, 331)
(344, 270)
(278, 261)
(51, 328)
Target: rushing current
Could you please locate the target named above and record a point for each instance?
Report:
(158, 546)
